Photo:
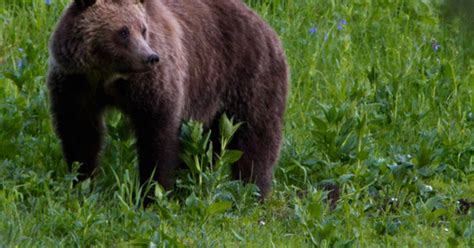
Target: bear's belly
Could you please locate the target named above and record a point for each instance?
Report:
(204, 109)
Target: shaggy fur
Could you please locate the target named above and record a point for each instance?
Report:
(215, 56)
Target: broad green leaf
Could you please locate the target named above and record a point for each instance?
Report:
(218, 207)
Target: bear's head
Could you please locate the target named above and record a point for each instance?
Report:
(104, 36)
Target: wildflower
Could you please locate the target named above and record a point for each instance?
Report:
(47, 2)
(342, 23)
(435, 45)
(429, 188)
(20, 63)
(326, 37)
(313, 30)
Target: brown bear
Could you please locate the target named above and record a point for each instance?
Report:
(162, 62)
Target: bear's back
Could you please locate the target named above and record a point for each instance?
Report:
(226, 44)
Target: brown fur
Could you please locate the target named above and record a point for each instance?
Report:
(215, 56)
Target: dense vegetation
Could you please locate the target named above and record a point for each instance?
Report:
(381, 111)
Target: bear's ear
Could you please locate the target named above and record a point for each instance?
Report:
(82, 4)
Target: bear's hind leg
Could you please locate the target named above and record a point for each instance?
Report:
(260, 147)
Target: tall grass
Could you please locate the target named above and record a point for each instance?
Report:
(381, 107)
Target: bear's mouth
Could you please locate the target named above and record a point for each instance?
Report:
(136, 69)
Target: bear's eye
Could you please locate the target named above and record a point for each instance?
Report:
(143, 32)
(124, 33)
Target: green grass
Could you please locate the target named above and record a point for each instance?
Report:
(373, 109)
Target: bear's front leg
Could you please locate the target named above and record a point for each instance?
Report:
(77, 120)
(155, 117)
(157, 145)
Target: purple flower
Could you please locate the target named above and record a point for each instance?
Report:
(342, 23)
(435, 45)
(21, 50)
(47, 2)
(20, 63)
(313, 30)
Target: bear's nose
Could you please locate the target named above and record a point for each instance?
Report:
(153, 59)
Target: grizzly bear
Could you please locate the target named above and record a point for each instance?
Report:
(162, 62)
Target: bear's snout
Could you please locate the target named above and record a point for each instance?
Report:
(153, 59)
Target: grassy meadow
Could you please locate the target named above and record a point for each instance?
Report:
(381, 108)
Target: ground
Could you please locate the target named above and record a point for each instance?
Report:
(381, 105)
